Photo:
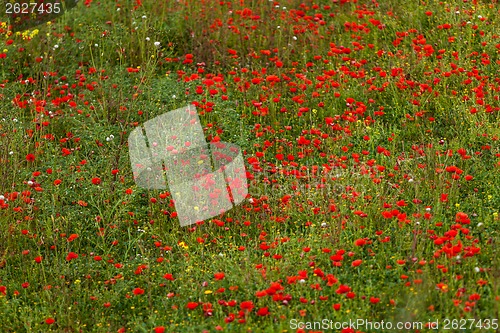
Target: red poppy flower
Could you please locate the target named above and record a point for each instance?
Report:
(138, 291)
(246, 305)
(30, 157)
(463, 218)
(357, 262)
(263, 311)
(72, 237)
(360, 242)
(96, 180)
(169, 277)
(387, 214)
(192, 305)
(50, 321)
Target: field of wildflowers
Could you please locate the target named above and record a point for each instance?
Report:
(370, 134)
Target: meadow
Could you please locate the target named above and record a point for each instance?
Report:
(370, 135)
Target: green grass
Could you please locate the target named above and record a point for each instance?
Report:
(348, 152)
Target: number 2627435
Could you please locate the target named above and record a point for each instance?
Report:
(32, 8)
